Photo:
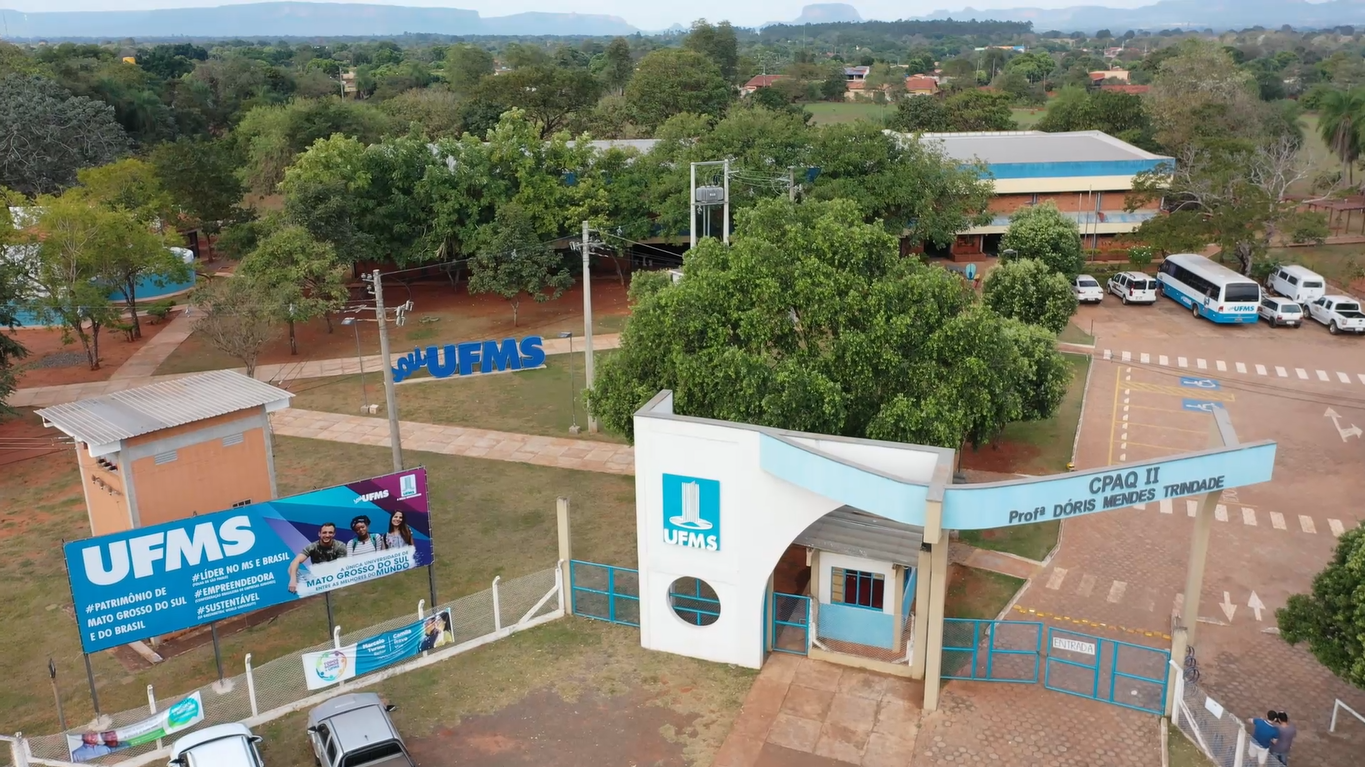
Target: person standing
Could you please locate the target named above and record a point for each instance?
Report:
(399, 534)
(1284, 738)
(1263, 731)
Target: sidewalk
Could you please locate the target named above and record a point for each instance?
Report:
(559, 452)
(146, 360)
(46, 396)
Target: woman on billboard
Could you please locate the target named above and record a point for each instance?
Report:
(399, 534)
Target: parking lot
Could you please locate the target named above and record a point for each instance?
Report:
(1158, 374)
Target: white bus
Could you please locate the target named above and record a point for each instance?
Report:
(1208, 289)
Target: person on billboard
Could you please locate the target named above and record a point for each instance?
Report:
(437, 632)
(363, 542)
(324, 549)
(94, 745)
(399, 534)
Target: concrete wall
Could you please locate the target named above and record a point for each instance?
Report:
(107, 503)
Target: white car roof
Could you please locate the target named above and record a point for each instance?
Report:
(1301, 272)
(1338, 297)
(1135, 275)
(221, 744)
(1281, 301)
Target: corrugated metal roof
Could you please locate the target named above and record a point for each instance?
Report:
(854, 533)
(1006, 147)
(113, 417)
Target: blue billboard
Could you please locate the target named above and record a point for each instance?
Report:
(156, 580)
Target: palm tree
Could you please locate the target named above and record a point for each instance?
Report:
(1341, 123)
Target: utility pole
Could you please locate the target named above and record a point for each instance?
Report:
(725, 225)
(791, 183)
(386, 363)
(692, 206)
(587, 327)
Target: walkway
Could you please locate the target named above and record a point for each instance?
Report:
(146, 360)
(559, 452)
(46, 396)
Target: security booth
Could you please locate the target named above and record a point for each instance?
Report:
(753, 540)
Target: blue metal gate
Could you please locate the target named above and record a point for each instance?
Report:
(991, 651)
(604, 592)
(1107, 670)
(790, 625)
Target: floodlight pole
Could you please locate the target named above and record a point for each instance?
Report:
(386, 364)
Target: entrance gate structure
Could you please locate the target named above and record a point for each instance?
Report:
(1107, 670)
(991, 651)
(790, 627)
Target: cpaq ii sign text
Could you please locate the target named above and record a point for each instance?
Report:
(461, 359)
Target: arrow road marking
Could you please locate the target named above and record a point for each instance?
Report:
(1348, 432)
(1229, 609)
(1255, 604)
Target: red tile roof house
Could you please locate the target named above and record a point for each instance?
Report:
(921, 85)
(758, 81)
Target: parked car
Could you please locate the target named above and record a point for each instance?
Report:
(222, 745)
(1338, 313)
(355, 731)
(1296, 283)
(1133, 287)
(1280, 311)
(1087, 290)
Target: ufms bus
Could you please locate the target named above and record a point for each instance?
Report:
(1208, 289)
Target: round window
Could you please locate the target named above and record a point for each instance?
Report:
(694, 601)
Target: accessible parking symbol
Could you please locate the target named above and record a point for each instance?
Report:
(1199, 383)
(1200, 405)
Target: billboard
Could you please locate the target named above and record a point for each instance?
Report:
(326, 668)
(155, 580)
(182, 714)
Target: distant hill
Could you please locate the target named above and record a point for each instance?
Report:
(1176, 14)
(827, 13)
(299, 20)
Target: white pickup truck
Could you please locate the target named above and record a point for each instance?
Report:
(1339, 313)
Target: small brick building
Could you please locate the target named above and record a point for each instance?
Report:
(172, 449)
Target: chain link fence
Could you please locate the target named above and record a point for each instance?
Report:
(1219, 733)
(275, 685)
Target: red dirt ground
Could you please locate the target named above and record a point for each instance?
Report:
(114, 351)
(543, 730)
(1000, 457)
(462, 317)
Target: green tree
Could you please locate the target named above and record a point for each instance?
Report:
(920, 115)
(717, 44)
(272, 137)
(201, 177)
(47, 134)
(1341, 124)
(1119, 114)
(13, 294)
(549, 95)
(236, 315)
(435, 111)
(1198, 93)
(811, 320)
(885, 83)
(141, 238)
(303, 277)
(672, 81)
(1331, 619)
(1041, 232)
(512, 262)
(618, 66)
(1231, 193)
(1030, 291)
(72, 243)
(975, 110)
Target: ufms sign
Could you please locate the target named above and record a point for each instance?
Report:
(692, 512)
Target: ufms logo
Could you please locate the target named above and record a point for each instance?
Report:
(692, 512)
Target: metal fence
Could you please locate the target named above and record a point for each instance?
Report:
(604, 592)
(990, 650)
(790, 623)
(1217, 732)
(274, 688)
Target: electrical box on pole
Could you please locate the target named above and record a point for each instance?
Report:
(710, 195)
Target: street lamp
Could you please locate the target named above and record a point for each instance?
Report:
(364, 395)
(573, 387)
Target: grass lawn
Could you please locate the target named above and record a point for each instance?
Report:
(1074, 335)
(1342, 264)
(830, 112)
(1028, 117)
(978, 594)
(1183, 753)
(1320, 158)
(527, 402)
(490, 518)
(574, 658)
(1041, 447)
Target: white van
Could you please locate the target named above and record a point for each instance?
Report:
(1303, 286)
(1133, 287)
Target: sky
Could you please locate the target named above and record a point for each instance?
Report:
(646, 16)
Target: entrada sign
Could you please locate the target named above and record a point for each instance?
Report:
(489, 356)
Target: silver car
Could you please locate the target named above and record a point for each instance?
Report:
(355, 731)
(223, 745)
(1280, 311)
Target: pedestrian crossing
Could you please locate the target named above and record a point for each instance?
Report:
(1247, 515)
(1242, 368)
